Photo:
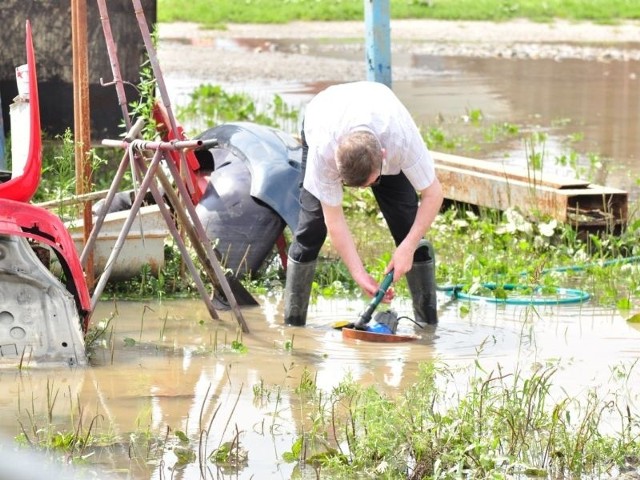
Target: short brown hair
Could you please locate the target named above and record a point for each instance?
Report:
(359, 153)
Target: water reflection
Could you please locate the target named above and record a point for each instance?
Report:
(594, 103)
(169, 367)
(599, 100)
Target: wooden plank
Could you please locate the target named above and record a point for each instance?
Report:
(63, 202)
(508, 171)
(592, 205)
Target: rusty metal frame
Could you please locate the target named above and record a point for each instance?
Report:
(147, 174)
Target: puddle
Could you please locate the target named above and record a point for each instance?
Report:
(595, 102)
(172, 368)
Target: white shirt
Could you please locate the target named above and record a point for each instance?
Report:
(339, 109)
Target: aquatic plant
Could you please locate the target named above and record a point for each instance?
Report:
(172, 280)
(99, 335)
(73, 442)
(211, 105)
(501, 424)
(230, 454)
(507, 248)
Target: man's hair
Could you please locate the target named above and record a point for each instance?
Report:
(359, 153)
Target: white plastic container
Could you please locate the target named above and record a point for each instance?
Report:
(20, 123)
(22, 79)
(19, 118)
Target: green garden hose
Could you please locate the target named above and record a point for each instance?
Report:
(532, 295)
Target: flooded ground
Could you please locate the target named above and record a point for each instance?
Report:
(589, 106)
(167, 367)
(597, 103)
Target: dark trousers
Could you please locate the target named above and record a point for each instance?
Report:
(396, 197)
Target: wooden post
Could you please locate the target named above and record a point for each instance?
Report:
(378, 41)
(81, 117)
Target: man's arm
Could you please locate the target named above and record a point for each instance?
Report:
(342, 241)
(430, 203)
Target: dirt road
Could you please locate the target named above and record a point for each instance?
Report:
(318, 51)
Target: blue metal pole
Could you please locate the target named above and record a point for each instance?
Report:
(378, 41)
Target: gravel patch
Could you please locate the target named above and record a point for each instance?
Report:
(333, 51)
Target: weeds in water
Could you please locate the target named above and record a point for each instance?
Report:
(143, 444)
(507, 248)
(288, 344)
(39, 431)
(230, 455)
(307, 385)
(211, 105)
(495, 132)
(502, 424)
(183, 450)
(169, 281)
(474, 116)
(96, 336)
(238, 347)
(499, 247)
(535, 152)
(467, 133)
(436, 138)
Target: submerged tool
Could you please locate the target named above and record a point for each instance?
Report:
(384, 325)
(365, 317)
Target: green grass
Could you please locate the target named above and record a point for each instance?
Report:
(282, 11)
(501, 248)
(503, 425)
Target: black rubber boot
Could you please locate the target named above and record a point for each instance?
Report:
(297, 291)
(422, 285)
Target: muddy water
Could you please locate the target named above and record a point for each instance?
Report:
(596, 103)
(168, 366)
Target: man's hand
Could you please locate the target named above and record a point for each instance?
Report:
(431, 200)
(401, 261)
(343, 243)
(370, 287)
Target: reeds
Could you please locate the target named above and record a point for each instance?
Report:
(502, 424)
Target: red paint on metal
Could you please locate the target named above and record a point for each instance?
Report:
(23, 187)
